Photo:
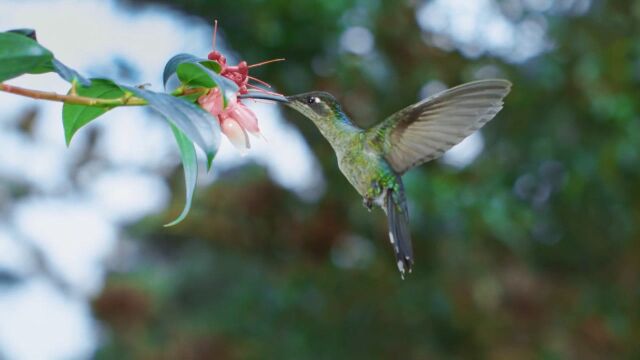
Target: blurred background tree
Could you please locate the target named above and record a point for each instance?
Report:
(529, 251)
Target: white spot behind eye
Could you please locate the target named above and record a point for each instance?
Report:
(316, 100)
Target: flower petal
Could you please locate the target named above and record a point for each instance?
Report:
(245, 117)
(212, 102)
(236, 134)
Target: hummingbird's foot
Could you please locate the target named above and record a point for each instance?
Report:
(367, 202)
(370, 198)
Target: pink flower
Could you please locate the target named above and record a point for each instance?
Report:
(235, 120)
(212, 102)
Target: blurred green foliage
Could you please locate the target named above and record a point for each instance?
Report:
(530, 252)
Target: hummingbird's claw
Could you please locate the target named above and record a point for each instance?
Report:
(367, 202)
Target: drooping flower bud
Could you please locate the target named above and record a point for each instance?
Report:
(236, 134)
(245, 117)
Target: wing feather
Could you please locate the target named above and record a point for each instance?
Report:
(424, 131)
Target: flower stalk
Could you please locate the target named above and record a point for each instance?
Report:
(127, 100)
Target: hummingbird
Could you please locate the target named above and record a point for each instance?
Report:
(373, 160)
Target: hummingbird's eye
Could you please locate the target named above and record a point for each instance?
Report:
(315, 104)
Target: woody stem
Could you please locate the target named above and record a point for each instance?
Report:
(127, 100)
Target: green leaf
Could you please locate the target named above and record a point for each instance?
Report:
(30, 33)
(76, 116)
(190, 167)
(46, 67)
(198, 125)
(69, 74)
(172, 65)
(20, 54)
(65, 72)
(191, 97)
(212, 65)
(54, 65)
(196, 75)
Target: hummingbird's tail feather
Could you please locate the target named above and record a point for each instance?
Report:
(399, 234)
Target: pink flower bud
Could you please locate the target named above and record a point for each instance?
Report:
(245, 117)
(236, 134)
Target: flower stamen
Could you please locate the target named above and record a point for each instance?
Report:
(215, 32)
(259, 81)
(266, 62)
(259, 89)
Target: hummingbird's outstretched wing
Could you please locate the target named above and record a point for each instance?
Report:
(425, 130)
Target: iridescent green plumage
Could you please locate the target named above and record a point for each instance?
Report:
(374, 160)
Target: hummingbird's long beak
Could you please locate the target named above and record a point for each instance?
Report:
(263, 96)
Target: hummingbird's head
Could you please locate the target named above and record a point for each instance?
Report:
(315, 105)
